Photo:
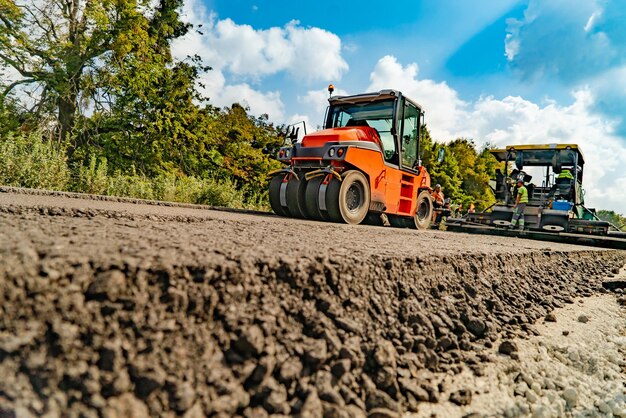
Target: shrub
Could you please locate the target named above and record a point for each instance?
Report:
(93, 178)
(171, 188)
(221, 193)
(136, 186)
(29, 160)
(258, 201)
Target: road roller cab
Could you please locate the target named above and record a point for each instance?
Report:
(366, 162)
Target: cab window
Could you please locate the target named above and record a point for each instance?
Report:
(409, 137)
(377, 115)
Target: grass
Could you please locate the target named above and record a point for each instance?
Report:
(30, 161)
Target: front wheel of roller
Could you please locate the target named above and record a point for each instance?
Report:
(349, 200)
(278, 187)
(296, 199)
(312, 199)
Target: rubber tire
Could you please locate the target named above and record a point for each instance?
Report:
(423, 211)
(311, 200)
(296, 200)
(337, 195)
(274, 193)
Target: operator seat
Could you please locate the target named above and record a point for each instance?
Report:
(501, 187)
(564, 187)
(357, 122)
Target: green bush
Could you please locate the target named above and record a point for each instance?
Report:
(93, 178)
(258, 201)
(221, 193)
(167, 187)
(178, 189)
(136, 186)
(29, 160)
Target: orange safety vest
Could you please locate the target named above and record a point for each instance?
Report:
(438, 197)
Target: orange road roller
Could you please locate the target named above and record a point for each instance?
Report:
(364, 167)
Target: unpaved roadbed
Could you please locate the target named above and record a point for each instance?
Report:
(575, 367)
(107, 307)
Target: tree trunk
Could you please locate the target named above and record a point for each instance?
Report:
(67, 111)
(67, 104)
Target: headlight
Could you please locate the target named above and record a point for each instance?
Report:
(287, 153)
(331, 152)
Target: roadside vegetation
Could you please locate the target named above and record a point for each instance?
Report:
(31, 161)
(613, 217)
(100, 106)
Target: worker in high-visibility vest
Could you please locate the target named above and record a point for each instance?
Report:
(438, 197)
(565, 174)
(520, 205)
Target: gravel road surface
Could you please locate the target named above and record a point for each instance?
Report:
(117, 309)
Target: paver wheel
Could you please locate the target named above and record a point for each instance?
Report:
(296, 199)
(349, 200)
(277, 186)
(424, 211)
(312, 199)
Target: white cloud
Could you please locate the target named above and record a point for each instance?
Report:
(593, 20)
(511, 40)
(213, 85)
(514, 120)
(444, 110)
(314, 104)
(241, 56)
(307, 53)
(258, 102)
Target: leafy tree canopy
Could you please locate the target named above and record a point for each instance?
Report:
(464, 173)
(613, 217)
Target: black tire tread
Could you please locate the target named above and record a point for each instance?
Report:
(296, 199)
(425, 224)
(274, 195)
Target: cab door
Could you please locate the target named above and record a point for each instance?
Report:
(408, 129)
(409, 137)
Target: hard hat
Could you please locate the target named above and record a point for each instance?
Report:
(437, 186)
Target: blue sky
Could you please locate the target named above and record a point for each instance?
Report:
(497, 71)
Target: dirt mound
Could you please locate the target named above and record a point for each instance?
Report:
(254, 335)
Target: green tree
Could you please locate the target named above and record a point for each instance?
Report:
(10, 116)
(464, 173)
(240, 139)
(153, 125)
(63, 46)
(475, 171)
(446, 173)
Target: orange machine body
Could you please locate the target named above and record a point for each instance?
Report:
(393, 190)
(366, 162)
